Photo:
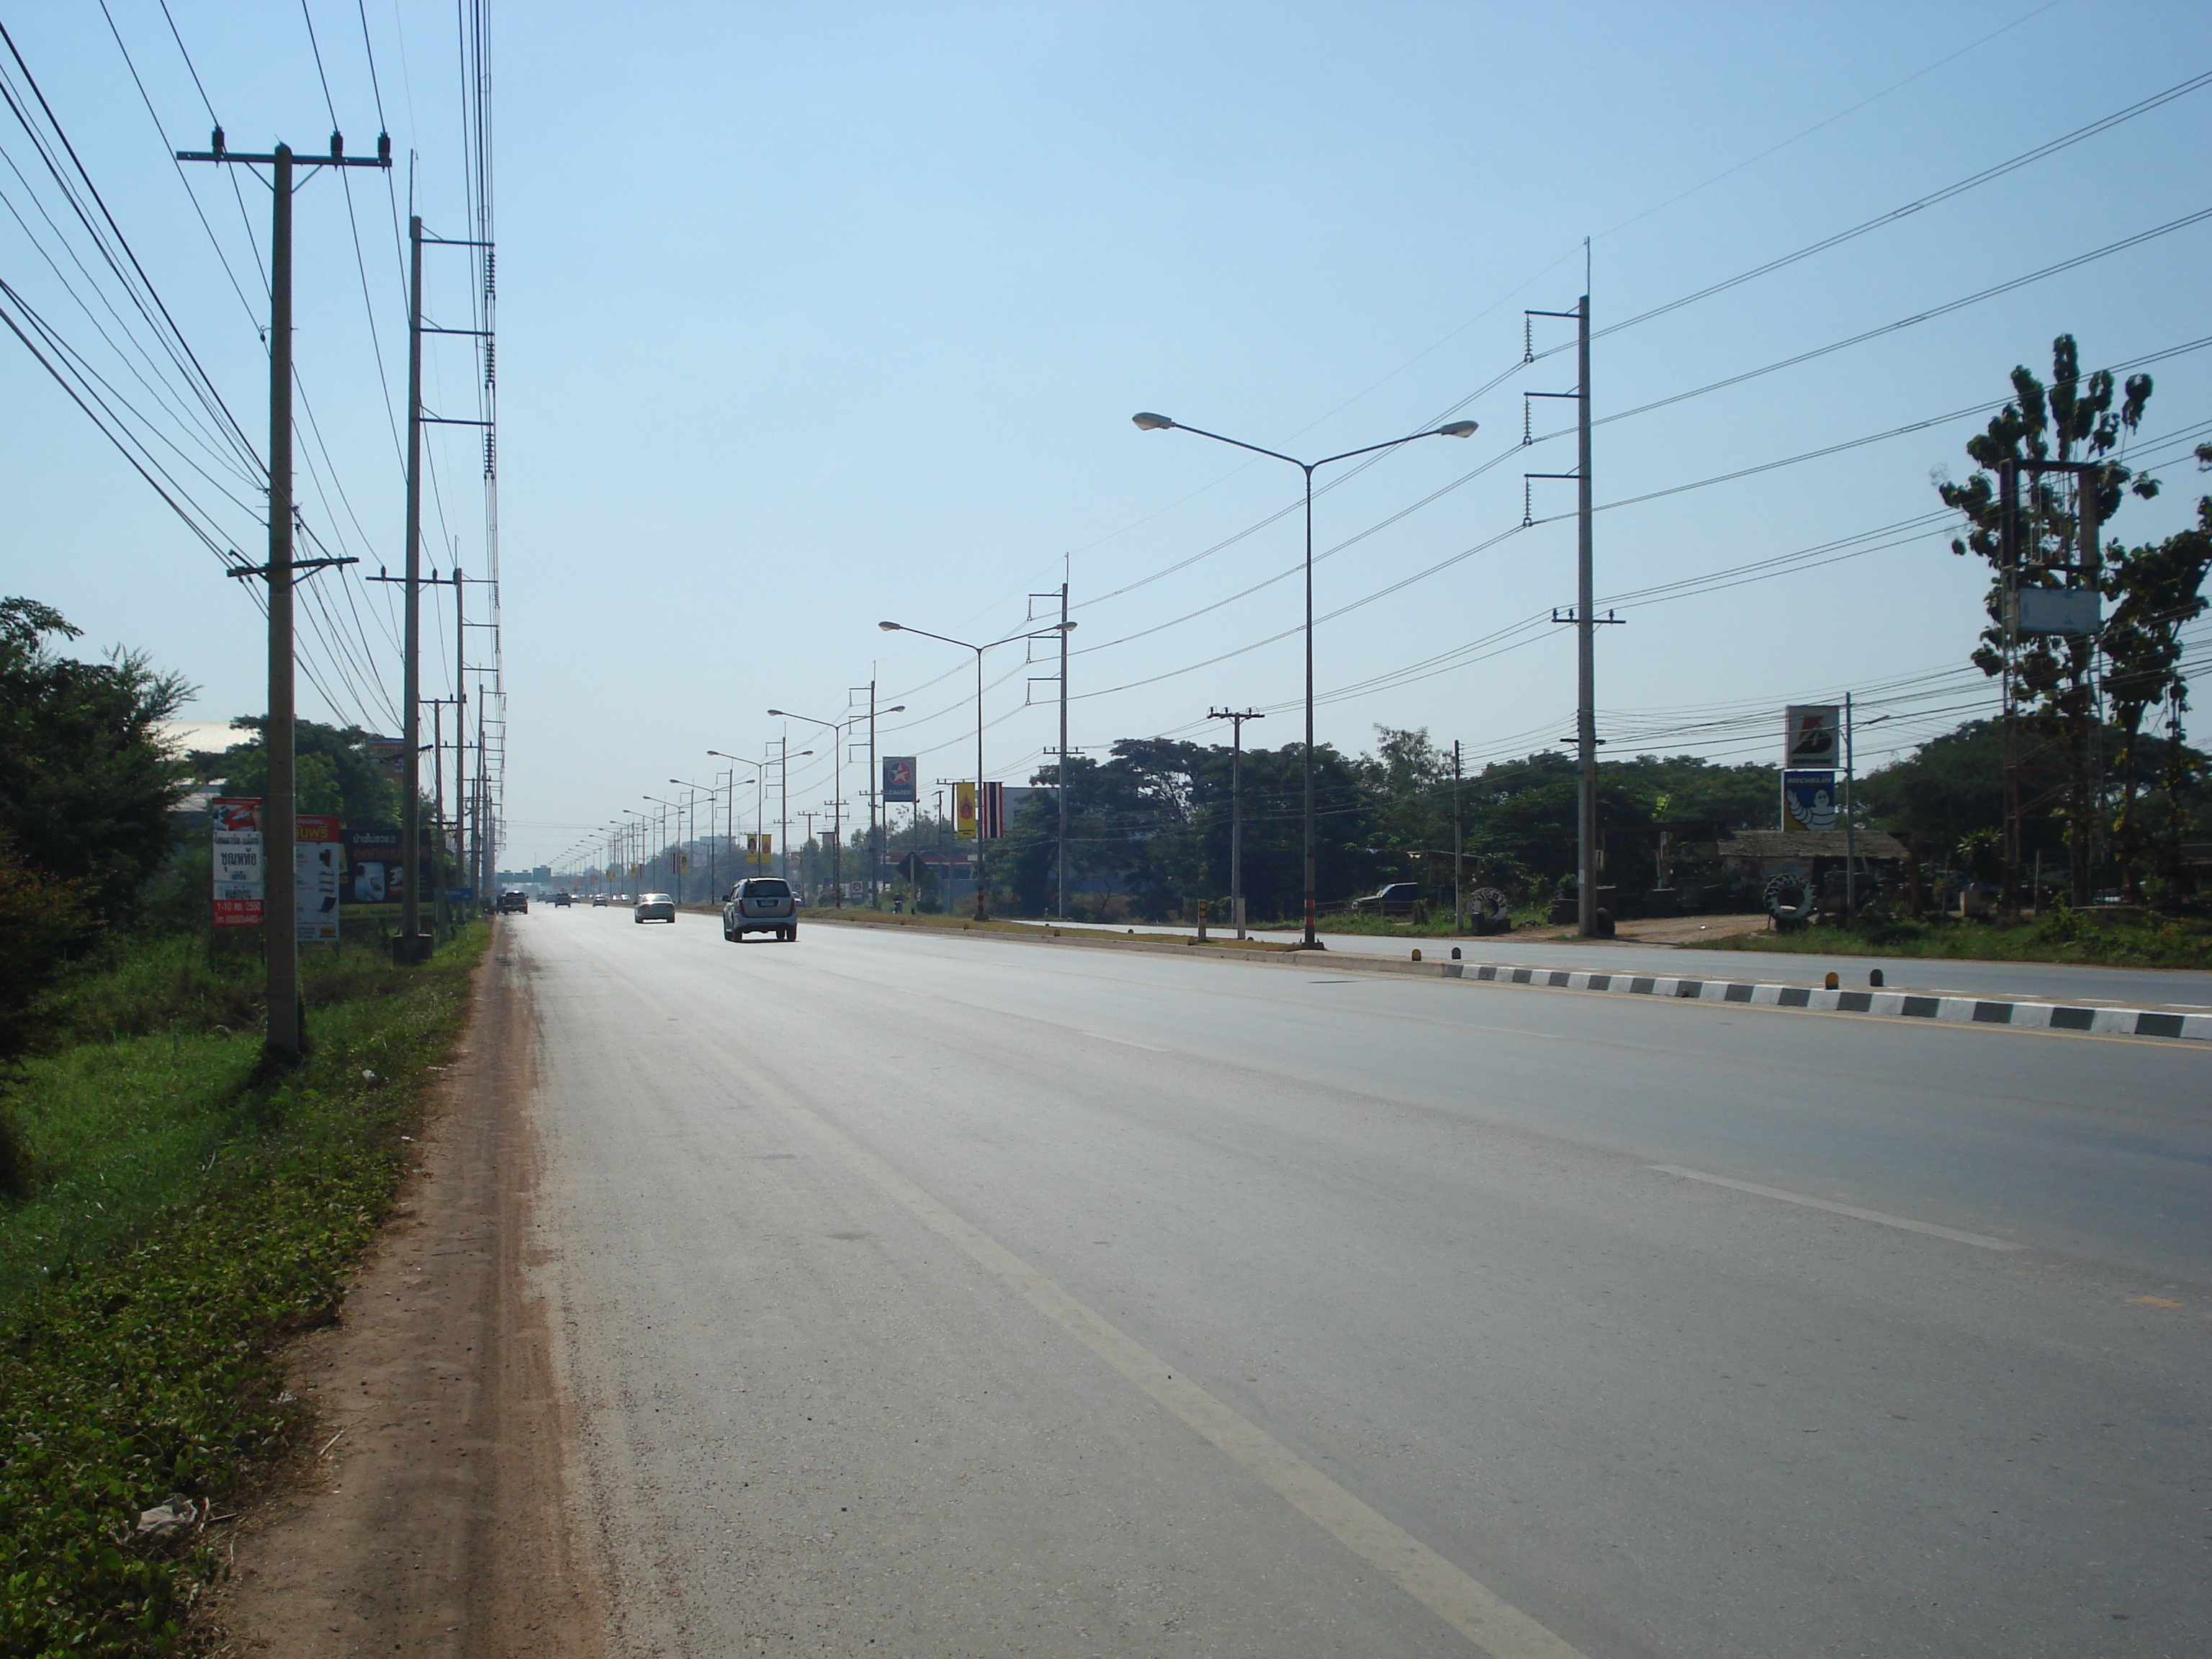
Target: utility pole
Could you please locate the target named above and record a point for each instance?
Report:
(280, 805)
(1236, 718)
(1459, 844)
(1586, 622)
(1060, 857)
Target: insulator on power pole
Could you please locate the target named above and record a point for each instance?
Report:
(338, 147)
(1527, 432)
(490, 457)
(1528, 340)
(491, 271)
(215, 143)
(384, 147)
(491, 362)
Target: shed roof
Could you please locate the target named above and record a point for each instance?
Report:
(1878, 844)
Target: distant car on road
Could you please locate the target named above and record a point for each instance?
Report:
(654, 907)
(599, 901)
(760, 904)
(515, 901)
(1395, 898)
(560, 901)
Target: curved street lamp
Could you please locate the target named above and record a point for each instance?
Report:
(836, 788)
(982, 898)
(1147, 421)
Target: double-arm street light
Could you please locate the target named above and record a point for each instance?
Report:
(676, 857)
(982, 891)
(1149, 422)
(837, 786)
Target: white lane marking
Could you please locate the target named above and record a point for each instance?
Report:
(1981, 1240)
(1476, 1612)
(1108, 1037)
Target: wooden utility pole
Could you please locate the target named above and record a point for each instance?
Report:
(280, 802)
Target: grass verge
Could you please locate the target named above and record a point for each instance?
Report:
(2067, 936)
(178, 1220)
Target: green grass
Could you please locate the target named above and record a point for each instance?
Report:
(180, 1219)
(2066, 936)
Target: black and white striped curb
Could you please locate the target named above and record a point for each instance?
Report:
(1902, 1005)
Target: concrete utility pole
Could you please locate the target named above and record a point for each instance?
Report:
(1060, 859)
(1236, 718)
(280, 803)
(1459, 844)
(1586, 625)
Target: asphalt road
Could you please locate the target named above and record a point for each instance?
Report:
(938, 1297)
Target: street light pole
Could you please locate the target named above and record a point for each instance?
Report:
(1147, 421)
(836, 788)
(1062, 629)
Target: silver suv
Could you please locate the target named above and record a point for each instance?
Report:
(760, 904)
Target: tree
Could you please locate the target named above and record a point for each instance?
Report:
(2053, 688)
(334, 771)
(87, 779)
(2154, 590)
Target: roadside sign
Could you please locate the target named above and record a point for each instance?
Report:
(994, 811)
(319, 860)
(964, 810)
(236, 822)
(1809, 800)
(899, 779)
(1814, 735)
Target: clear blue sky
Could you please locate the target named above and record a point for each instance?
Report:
(814, 316)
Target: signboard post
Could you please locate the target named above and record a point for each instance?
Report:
(899, 780)
(1812, 745)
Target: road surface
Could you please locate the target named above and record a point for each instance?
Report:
(2055, 981)
(940, 1297)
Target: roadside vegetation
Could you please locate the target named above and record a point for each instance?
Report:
(2084, 936)
(171, 1204)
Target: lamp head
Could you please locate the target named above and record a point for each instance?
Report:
(775, 713)
(1149, 422)
(891, 627)
(901, 710)
(1457, 429)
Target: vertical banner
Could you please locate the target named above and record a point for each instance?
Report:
(964, 811)
(1815, 736)
(759, 848)
(899, 780)
(994, 811)
(318, 857)
(235, 821)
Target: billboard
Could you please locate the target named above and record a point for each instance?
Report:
(1808, 800)
(899, 779)
(319, 862)
(236, 822)
(760, 849)
(964, 811)
(373, 866)
(1814, 736)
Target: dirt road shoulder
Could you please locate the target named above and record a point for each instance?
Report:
(433, 1520)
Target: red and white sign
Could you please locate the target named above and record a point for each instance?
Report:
(236, 821)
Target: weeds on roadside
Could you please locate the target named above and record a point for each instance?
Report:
(180, 1220)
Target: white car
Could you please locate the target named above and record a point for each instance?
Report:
(654, 907)
(760, 904)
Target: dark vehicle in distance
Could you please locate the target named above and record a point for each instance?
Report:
(760, 904)
(515, 901)
(1397, 898)
(560, 901)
